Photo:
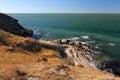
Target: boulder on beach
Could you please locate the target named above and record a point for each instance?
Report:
(62, 41)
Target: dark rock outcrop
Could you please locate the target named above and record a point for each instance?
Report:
(110, 66)
(11, 25)
(36, 35)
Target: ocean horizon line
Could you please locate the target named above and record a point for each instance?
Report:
(61, 13)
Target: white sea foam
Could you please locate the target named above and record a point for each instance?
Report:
(37, 32)
(91, 42)
(83, 42)
(96, 47)
(85, 37)
(75, 38)
(47, 34)
(63, 40)
(111, 44)
(36, 35)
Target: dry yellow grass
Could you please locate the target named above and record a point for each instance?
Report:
(20, 63)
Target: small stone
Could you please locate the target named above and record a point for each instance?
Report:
(39, 59)
(34, 78)
(45, 59)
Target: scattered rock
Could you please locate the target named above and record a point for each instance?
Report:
(20, 73)
(61, 72)
(34, 78)
(45, 59)
(36, 35)
(77, 50)
(71, 43)
(62, 67)
(73, 78)
(63, 41)
(39, 59)
(27, 32)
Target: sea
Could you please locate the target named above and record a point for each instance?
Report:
(101, 30)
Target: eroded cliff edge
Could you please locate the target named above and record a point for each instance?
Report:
(11, 25)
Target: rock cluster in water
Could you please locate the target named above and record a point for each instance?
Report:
(82, 52)
(11, 25)
(90, 53)
(111, 66)
(37, 35)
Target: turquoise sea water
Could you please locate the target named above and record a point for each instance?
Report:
(101, 30)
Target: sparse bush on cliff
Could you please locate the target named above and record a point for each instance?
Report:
(70, 61)
(30, 46)
(3, 38)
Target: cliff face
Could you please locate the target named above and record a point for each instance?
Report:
(11, 25)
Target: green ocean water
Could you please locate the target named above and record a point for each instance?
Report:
(102, 29)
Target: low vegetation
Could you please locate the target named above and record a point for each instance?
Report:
(30, 46)
(3, 38)
(70, 61)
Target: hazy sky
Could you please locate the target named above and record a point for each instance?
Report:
(60, 6)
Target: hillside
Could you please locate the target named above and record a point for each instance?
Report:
(27, 59)
(23, 58)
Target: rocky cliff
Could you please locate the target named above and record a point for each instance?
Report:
(11, 25)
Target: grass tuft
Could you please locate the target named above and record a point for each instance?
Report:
(3, 38)
(70, 61)
(30, 46)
